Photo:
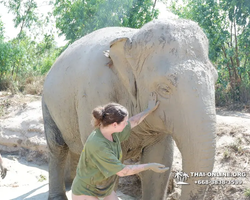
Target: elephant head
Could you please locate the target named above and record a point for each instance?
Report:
(170, 57)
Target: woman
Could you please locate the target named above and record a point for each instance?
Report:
(100, 162)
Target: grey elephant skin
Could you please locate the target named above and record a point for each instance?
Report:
(124, 65)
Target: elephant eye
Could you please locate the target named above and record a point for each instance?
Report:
(163, 90)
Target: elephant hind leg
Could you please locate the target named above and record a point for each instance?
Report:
(58, 151)
(70, 169)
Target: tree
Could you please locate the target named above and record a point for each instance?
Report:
(227, 26)
(24, 13)
(76, 18)
(27, 54)
(139, 13)
(1, 30)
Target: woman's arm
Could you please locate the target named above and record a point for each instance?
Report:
(152, 105)
(135, 169)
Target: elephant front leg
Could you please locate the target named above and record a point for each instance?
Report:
(154, 185)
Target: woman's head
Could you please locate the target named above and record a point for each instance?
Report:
(108, 114)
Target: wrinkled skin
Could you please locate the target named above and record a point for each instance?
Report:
(168, 57)
(3, 169)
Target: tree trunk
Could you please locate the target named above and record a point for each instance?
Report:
(17, 68)
(22, 26)
(228, 67)
(237, 54)
(13, 69)
(154, 4)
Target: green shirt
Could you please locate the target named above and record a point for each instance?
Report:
(99, 162)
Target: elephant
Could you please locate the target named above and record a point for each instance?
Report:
(117, 64)
(2, 168)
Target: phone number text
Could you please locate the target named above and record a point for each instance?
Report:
(219, 182)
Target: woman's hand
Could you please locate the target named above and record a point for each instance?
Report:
(152, 105)
(156, 167)
(152, 102)
(135, 169)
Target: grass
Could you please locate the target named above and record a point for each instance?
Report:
(247, 193)
(3, 107)
(1, 110)
(32, 85)
(236, 146)
(226, 154)
(27, 85)
(42, 178)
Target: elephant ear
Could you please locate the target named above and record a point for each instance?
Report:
(123, 41)
(118, 53)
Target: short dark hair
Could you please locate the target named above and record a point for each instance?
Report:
(108, 114)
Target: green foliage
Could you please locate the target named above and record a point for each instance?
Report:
(1, 30)
(4, 58)
(80, 17)
(23, 11)
(227, 26)
(10, 57)
(139, 13)
(48, 61)
(247, 193)
(24, 57)
(41, 178)
(21, 58)
(226, 154)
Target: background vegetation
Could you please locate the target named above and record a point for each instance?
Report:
(25, 59)
(227, 26)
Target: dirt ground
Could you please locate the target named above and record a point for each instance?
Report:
(24, 151)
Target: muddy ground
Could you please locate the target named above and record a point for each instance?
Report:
(24, 150)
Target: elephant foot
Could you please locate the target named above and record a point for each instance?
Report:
(58, 197)
(3, 173)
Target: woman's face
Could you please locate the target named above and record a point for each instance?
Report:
(121, 125)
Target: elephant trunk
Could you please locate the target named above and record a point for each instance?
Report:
(194, 129)
(198, 153)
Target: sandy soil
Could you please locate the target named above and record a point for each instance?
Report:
(24, 151)
(29, 180)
